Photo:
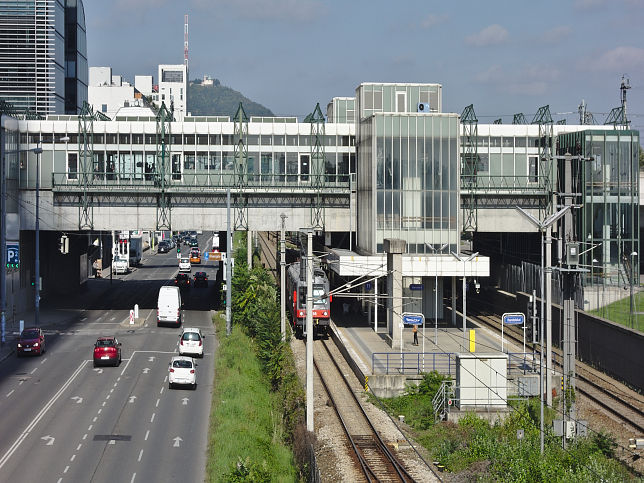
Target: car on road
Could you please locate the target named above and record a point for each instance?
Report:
(164, 247)
(182, 280)
(31, 341)
(181, 371)
(201, 279)
(191, 342)
(184, 264)
(195, 256)
(192, 242)
(107, 351)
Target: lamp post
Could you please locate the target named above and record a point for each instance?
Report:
(632, 277)
(465, 260)
(543, 226)
(38, 152)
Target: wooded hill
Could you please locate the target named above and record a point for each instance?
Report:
(218, 100)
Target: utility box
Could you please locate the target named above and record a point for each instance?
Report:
(481, 381)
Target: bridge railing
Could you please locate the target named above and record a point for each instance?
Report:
(150, 181)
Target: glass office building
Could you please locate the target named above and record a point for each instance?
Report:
(43, 55)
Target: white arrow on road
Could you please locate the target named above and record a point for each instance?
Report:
(132, 398)
(185, 401)
(151, 359)
(146, 370)
(177, 440)
(99, 370)
(112, 441)
(78, 399)
(50, 440)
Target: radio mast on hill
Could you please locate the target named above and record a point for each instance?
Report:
(185, 42)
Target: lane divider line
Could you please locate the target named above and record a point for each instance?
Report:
(40, 415)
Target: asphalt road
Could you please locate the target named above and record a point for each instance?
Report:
(63, 420)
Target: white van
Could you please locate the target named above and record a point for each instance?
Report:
(169, 306)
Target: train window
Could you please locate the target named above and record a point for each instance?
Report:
(319, 297)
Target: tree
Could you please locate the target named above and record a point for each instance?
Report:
(641, 157)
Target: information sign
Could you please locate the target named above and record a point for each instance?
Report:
(412, 319)
(416, 286)
(13, 255)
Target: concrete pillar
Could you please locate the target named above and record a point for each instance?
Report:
(394, 248)
(454, 301)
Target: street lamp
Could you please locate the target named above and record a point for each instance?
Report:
(464, 260)
(38, 152)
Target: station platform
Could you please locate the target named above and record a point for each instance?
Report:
(387, 371)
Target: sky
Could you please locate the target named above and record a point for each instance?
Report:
(504, 57)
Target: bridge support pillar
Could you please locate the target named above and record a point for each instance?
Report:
(394, 248)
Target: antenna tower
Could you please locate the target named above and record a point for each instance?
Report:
(623, 88)
(185, 41)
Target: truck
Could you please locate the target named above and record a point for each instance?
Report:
(136, 250)
(120, 265)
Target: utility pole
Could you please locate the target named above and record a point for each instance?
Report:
(229, 275)
(38, 152)
(3, 235)
(548, 314)
(309, 331)
(283, 278)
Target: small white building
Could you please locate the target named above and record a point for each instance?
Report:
(173, 88)
(100, 76)
(144, 84)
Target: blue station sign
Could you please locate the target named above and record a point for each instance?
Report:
(513, 319)
(413, 319)
(416, 286)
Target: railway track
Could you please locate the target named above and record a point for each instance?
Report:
(375, 459)
(597, 387)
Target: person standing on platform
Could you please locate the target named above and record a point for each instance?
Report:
(415, 331)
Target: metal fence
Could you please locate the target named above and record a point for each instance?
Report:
(413, 363)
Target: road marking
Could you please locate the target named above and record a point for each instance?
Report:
(43, 361)
(83, 319)
(85, 435)
(140, 455)
(162, 388)
(66, 469)
(94, 420)
(21, 383)
(99, 371)
(106, 398)
(165, 379)
(10, 393)
(152, 418)
(34, 370)
(133, 476)
(132, 398)
(50, 440)
(146, 370)
(104, 403)
(59, 480)
(99, 411)
(72, 458)
(79, 446)
(117, 380)
(157, 404)
(177, 442)
(185, 401)
(151, 359)
(112, 390)
(89, 428)
(78, 399)
(147, 433)
(39, 416)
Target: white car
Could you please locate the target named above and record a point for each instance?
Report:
(184, 265)
(181, 370)
(191, 342)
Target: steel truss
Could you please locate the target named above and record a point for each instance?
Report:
(86, 158)
(240, 199)
(317, 165)
(546, 139)
(468, 167)
(162, 170)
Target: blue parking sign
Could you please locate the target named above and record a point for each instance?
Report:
(13, 255)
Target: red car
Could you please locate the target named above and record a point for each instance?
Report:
(107, 350)
(31, 341)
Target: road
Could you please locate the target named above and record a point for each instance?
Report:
(64, 420)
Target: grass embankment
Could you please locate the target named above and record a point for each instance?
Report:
(246, 440)
(620, 311)
(482, 451)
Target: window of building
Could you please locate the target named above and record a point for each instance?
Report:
(533, 169)
(215, 139)
(266, 140)
(72, 165)
(519, 142)
(202, 139)
(103, 107)
(172, 76)
(189, 139)
(124, 139)
(137, 138)
(401, 101)
(377, 99)
(111, 139)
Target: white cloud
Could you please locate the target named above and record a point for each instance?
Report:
(432, 20)
(620, 59)
(286, 10)
(492, 35)
(531, 80)
(556, 34)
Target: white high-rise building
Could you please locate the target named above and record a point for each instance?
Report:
(173, 88)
